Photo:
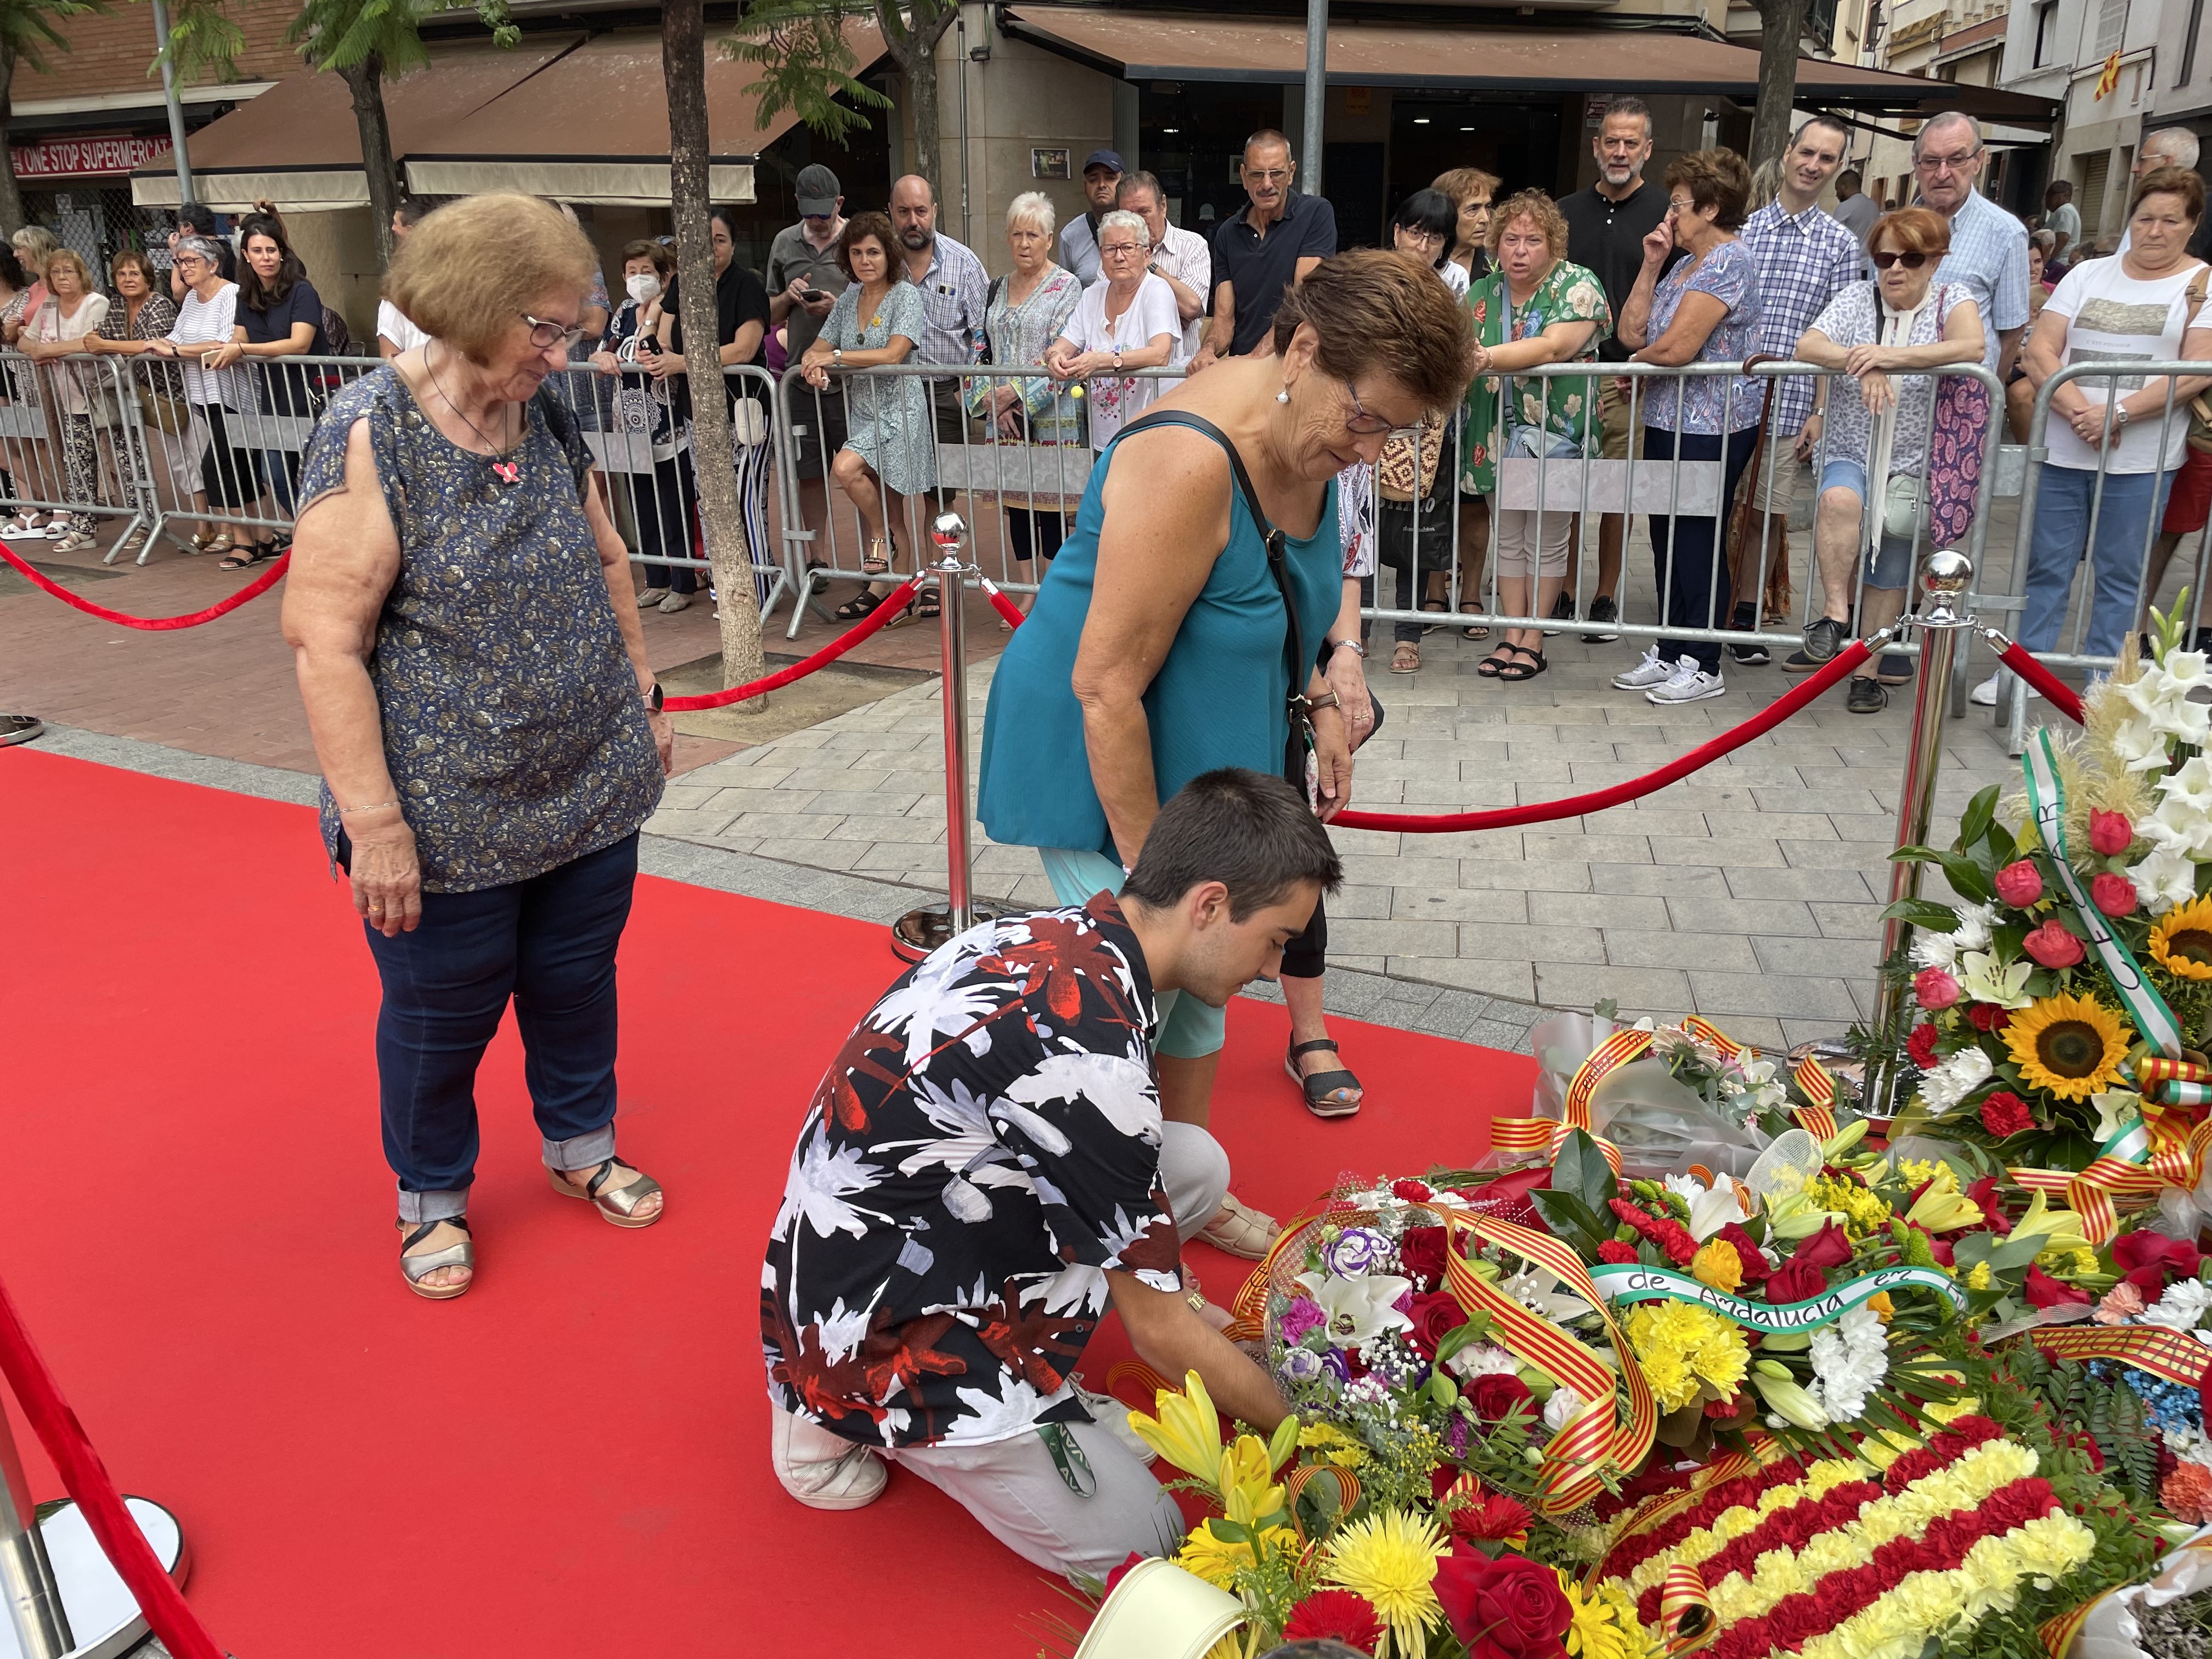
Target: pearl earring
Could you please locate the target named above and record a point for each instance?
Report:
(1284, 396)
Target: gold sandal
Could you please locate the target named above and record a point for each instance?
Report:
(616, 1204)
(417, 1268)
(876, 563)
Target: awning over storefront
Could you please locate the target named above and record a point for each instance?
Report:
(576, 118)
(297, 145)
(1555, 58)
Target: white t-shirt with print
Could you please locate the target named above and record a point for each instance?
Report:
(1115, 400)
(2112, 317)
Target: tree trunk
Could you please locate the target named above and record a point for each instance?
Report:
(921, 93)
(683, 61)
(11, 198)
(1781, 32)
(365, 79)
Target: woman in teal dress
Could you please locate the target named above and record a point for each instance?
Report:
(1156, 647)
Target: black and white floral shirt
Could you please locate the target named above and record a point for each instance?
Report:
(982, 1150)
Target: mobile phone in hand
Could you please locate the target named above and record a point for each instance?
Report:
(814, 296)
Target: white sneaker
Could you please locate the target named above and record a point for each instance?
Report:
(674, 602)
(1688, 684)
(1654, 670)
(1985, 695)
(822, 1470)
(1113, 1416)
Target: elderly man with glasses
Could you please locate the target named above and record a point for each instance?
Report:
(1989, 247)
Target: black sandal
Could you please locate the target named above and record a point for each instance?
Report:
(1494, 665)
(862, 604)
(1321, 1086)
(927, 609)
(905, 616)
(1437, 607)
(245, 558)
(1522, 670)
(1477, 632)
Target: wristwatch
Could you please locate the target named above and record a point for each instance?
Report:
(2120, 416)
(655, 698)
(837, 357)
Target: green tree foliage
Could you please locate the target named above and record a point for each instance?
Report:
(806, 66)
(26, 35)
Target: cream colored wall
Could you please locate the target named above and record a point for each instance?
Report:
(339, 250)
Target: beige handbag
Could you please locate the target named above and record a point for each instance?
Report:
(1160, 1612)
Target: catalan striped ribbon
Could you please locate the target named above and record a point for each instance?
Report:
(1249, 1308)
(2057, 1634)
(1296, 1482)
(1467, 1489)
(1818, 1084)
(1596, 1435)
(2143, 1157)
(2183, 1082)
(1685, 1612)
(2173, 1355)
(1538, 1136)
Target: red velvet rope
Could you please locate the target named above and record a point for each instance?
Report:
(2060, 695)
(1506, 818)
(86, 1478)
(1006, 607)
(252, 590)
(893, 602)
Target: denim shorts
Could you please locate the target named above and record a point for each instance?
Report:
(1890, 566)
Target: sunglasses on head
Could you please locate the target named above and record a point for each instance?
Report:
(1885, 259)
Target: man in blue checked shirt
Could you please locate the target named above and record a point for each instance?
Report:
(953, 292)
(1805, 259)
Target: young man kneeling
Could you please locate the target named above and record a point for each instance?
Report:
(986, 1168)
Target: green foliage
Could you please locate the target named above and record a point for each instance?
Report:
(336, 34)
(27, 29)
(805, 66)
(1574, 1207)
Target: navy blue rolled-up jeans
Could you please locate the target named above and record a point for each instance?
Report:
(548, 943)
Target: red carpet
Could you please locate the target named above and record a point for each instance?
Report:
(572, 1459)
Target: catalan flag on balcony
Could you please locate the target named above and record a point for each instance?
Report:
(2109, 81)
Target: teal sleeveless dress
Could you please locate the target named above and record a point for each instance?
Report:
(1217, 701)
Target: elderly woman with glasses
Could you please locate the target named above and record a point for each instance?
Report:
(466, 636)
(1185, 608)
(1126, 320)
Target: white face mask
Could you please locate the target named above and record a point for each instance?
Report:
(643, 288)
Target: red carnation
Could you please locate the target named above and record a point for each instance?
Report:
(2148, 1258)
(1988, 1016)
(1413, 1192)
(1795, 1280)
(1614, 1250)
(1920, 1046)
(1634, 1217)
(1495, 1397)
(1434, 1315)
(1672, 1237)
(2045, 1291)
(2110, 834)
(1508, 1609)
(1334, 1615)
(2005, 1113)
(2114, 894)
(1421, 1253)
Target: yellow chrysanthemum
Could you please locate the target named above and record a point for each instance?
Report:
(1686, 1352)
(2068, 1046)
(1389, 1560)
(1332, 1445)
(1718, 1265)
(1980, 1277)
(1187, 1432)
(2181, 940)
(1605, 1623)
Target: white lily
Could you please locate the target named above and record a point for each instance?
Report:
(1537, 1289)
(2116, 1109)
(2186, 669)
(1712, 1208)
(1357, 1309)
(2190, 787)
(2177, 827)
(2184, 718)
(1986, 979)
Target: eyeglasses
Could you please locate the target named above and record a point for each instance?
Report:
(1887, 258)
(545, 336)
(1683, 205)
(1360, 421)
(1423, 237)
(1272, 176)
(1119, 247)
(1947, 163)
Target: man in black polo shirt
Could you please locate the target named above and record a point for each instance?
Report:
(1606, 227)
(1261, 251)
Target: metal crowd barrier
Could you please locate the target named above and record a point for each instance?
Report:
(2137, 579)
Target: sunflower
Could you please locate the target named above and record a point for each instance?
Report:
(2067, 1045)
(2181, 942)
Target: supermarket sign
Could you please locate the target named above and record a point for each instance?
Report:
(82, 158)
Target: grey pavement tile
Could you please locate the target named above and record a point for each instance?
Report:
(1539, 846)
(823, 854)
(891, 858)
(1371, 872)
(1819, 958)
(1463, 793)
(1489, 875)
(874, 802)
(1393, 938)
(1598, 909)
(1361, 963)
(1469, 844)
(1880, 826)
(1763, 1032)
(1833, 855)
(1361, 904)
(690, 822)
(1776, 994)
(784, 826)
(1659, 881)
(733, 801)
(1849, 921)
(1795, 1032)
(872, 827)
(1705, 915)
(1727, 952)
(1491, 941)
(1793, 884)
(1815, 800)
(1581, 986)
(1455, 904)
(679, 796)
(1516, 979)
(1771, 826)
(1491, 1034)
(1638, 818)
(1451, 1013)
(1728, 852)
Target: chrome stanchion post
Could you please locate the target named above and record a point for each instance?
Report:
(918, 932)
(27, 1576)
(1945, 577)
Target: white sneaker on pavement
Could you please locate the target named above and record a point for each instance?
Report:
(1689, 683)
(1654, 670)
(822, 1470)
(1113, 1416)
(1985, 695)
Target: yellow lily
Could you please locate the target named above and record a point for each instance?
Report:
(1187, 1432)
(2062, 1228)
(1941, 1207)
(1783, 1395)
(1793, 1215)
(1249, 1491)
(1834, 1148)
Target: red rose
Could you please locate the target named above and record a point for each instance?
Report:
(1614, 1250)
(1936, 988)
(2114, 894)
(1136, 1557)
(2110, 834)
(2005, 1113)
(1434, 1315)
(1920, 1046)
(1795, 1280)
(1988, 1016)
(2147, 1258)
(1334, 1615)
(1984, 1193)
(1421, 1253)
(1413, 1192)
(1495, 1396)
(1752, 1258)
(1508, 1609)
(1826, 1249)
(2020, 884)
(2045, 1291)
(2052, 945)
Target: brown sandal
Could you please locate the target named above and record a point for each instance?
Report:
(1406, 659)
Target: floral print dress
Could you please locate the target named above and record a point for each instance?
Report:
(889, 425)
(1497, 404)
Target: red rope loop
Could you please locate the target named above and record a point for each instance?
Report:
(252, 590)
(2059, 695)
(1013, 613)
(1507, 818)
(893, 602)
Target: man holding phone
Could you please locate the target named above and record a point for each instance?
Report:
(803, 280)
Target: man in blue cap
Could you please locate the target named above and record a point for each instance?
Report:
(1079, 240)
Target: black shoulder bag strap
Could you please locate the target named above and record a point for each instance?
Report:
(1299, 747)
(990, 298)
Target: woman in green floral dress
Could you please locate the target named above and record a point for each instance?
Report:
(1534, 307)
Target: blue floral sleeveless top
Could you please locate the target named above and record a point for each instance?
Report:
(511, 722)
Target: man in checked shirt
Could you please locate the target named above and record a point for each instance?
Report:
(953, 288)
(1805, 259)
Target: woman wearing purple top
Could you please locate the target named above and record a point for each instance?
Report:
(1705, 310)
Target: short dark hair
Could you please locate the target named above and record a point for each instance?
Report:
(1631, 107)
(2184, 182)
(1716, 178)
(859, 229)
(1851, 173)
(197, 216)
(1376, 312)
(727, 215)
(411, 209)
(1140, 180)
(2064, 186)
(1252, 833)
(662, 256)
(1433, 211)
(1827, 121)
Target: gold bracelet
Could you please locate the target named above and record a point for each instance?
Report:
(379, 807)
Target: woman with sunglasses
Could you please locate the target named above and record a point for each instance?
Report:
(1161, 645)
(1875, 432)
(465, 627)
